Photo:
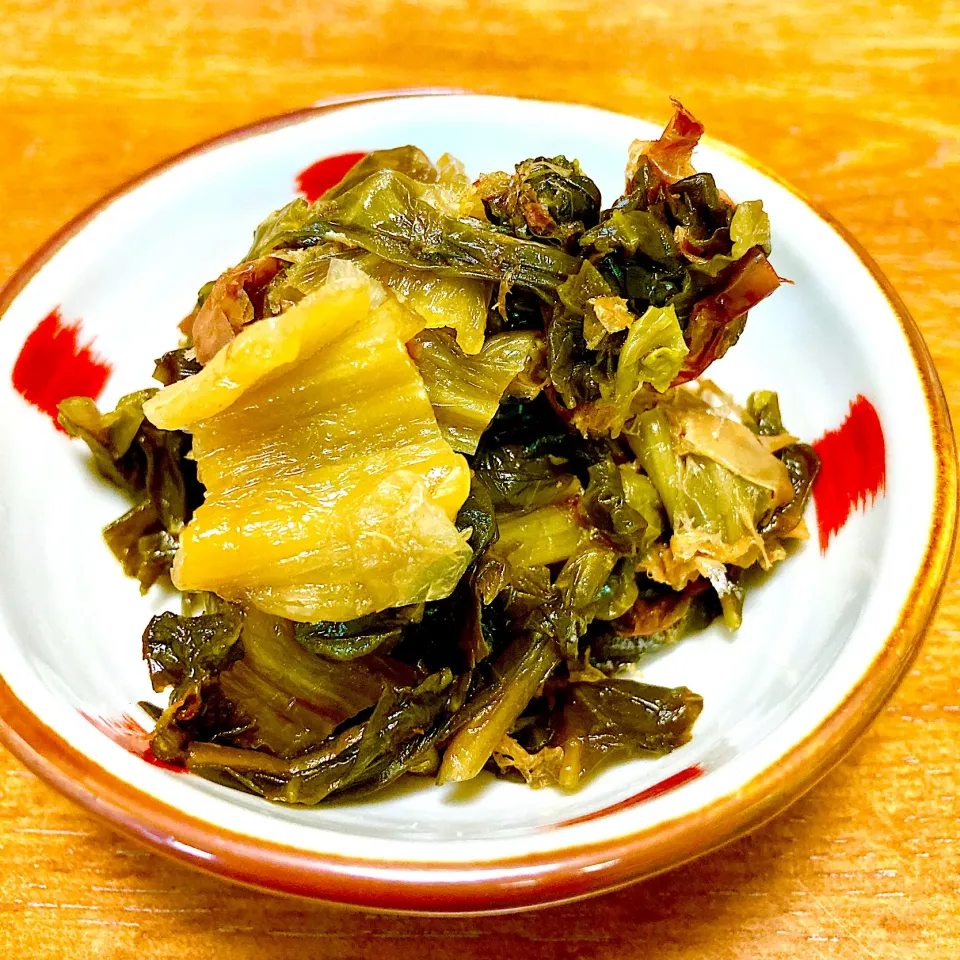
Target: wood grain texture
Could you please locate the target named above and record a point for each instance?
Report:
(853, 102)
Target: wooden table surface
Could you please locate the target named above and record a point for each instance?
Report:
(855, 103)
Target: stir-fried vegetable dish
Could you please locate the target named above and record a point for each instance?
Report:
(434, 470)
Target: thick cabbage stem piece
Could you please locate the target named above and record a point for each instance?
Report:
(394, 542)
(537, 537)
(330, 490)
(266, 348)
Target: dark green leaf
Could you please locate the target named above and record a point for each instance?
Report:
(636, 231)
(515, 479)
(606, 507)
(548, 199)
(639, 717)
(180, 649)
(354, 638)
(176, 365)
(803, 465)
(477, 515)
(152, 467)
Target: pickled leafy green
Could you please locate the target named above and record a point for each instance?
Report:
(152, 468)
(468, 418)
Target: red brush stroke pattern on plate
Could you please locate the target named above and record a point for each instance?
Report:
(54, 365)
(127, 733)
(314, 181)
(657, 790)
(853, 468)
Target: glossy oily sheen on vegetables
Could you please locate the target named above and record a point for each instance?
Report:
(434, 469)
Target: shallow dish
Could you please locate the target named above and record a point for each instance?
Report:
(824, 641)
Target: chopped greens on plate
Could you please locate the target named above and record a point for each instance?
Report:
(435, 469)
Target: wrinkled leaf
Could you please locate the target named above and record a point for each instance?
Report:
(152, 467)
(639, 717)
(803, 465)
(465, 391)
(547, 198)
(180, 649)
(348, 640)
(176, 365)
(652, 353)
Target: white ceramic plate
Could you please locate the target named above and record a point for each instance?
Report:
(823, 642)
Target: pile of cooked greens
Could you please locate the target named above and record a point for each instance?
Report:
(433, 472)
